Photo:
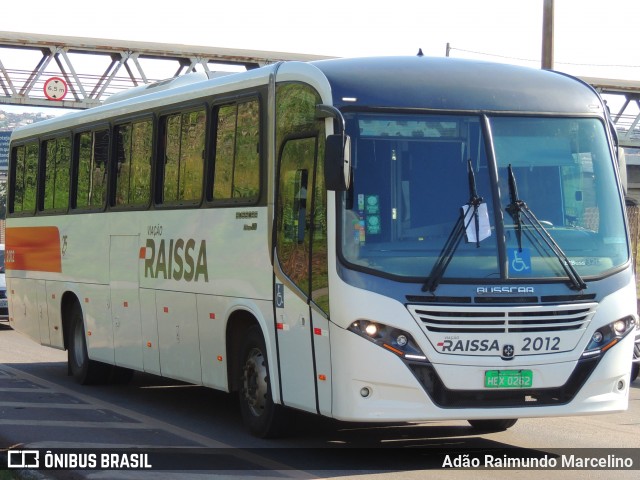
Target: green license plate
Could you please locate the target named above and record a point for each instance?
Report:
(508, 379)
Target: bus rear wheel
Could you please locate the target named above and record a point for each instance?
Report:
(260, 414)
(84, 370)
(493, 425)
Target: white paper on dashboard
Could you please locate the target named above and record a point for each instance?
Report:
(484, 228)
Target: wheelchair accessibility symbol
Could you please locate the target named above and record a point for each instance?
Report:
(519, 261)
(279, 295)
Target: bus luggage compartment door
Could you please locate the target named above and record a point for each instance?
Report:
(125, 301)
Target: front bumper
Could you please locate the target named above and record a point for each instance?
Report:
(399, 391)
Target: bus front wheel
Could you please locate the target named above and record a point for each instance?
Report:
(493, 425)
(84, 370)
(260, 414)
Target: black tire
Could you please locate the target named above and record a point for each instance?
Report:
(493, 425)
(260, 414)
(84, 370)
(634, 371)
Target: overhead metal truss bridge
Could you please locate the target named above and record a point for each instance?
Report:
(93, 69)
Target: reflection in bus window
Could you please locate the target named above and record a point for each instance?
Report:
(237, 163)
(183, 157)
(26, 171)
(296, 180)
(56, 173)
(93, 154)
(133, 156)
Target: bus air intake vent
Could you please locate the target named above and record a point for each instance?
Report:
(568, 298)
(517, 319)
(434, 299)
(506, 300)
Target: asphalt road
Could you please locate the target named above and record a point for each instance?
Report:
(43, 408)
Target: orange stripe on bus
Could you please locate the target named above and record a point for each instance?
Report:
(33, 248)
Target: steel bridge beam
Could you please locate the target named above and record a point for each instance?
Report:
(93, 69)
(627, 116)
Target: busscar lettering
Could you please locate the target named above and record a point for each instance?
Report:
(501, 290)
(176, 259)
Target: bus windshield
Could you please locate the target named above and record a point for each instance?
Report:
(411, 187)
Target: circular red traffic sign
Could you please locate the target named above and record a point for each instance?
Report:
(55, 88)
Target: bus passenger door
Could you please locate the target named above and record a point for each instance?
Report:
(298, 250)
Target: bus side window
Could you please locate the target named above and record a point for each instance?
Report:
(133, 163)
(237, 157)
(183, 157)
(57, 167)
(93, 154)
(25, 165)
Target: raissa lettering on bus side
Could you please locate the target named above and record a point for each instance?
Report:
(177, 259)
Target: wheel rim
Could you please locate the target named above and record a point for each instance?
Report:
(254, 376)
(78, 344)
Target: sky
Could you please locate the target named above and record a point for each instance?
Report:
(591, 38)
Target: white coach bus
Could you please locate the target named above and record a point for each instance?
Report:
(373, 239)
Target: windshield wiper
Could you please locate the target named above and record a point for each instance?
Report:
(515, 207)
(451, 245)
(519, 210)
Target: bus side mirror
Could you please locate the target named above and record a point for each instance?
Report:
(337, 162)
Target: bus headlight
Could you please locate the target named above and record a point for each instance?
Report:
(392, 339)
(606, 337)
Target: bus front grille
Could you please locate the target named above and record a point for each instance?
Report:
(517, 319)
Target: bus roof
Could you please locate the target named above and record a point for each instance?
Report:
(455, 84)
